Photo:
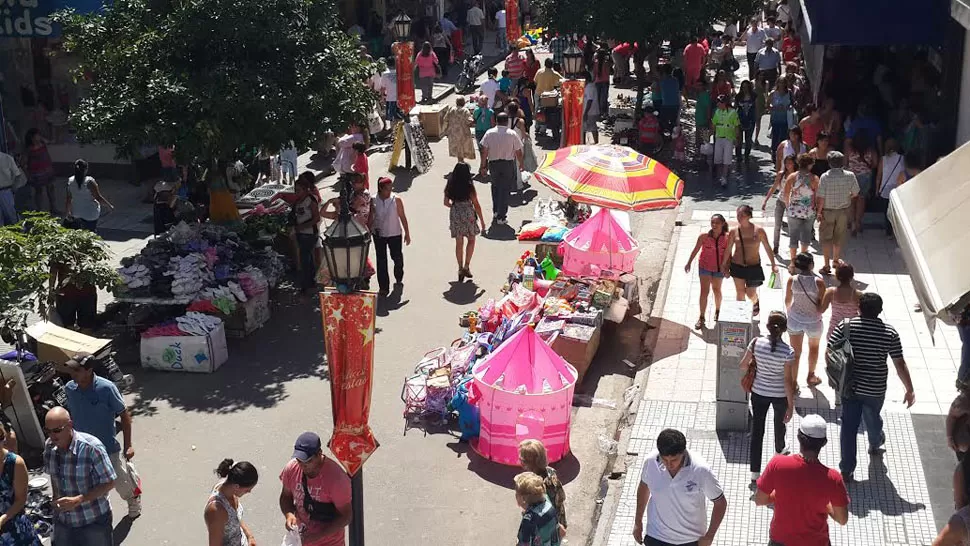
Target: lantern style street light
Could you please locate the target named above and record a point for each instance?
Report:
(401, 27)
(346, 245)
(572, 60)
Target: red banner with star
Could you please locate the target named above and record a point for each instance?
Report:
(348, 330)
(572, 112)
(403, 60)
(513, 30)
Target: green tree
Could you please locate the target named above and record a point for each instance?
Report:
(210, 76)
(29, 249)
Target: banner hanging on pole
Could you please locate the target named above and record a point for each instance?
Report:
(403, 55)
(513, 30)
(348, 331)
(572, 112)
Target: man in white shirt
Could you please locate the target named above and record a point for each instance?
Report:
(502, 152)
(476, 26)
(754, 39)
(389, 225)
(11, 180)
(501, 40)
(490, 87)
(674, 488)
(389, 90)
(772, 30)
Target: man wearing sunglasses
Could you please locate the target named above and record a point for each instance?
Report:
(81, 476)
(94, 403)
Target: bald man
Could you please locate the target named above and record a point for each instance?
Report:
(81, 477)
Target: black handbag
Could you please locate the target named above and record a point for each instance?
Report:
(324, 512)
(839, 363)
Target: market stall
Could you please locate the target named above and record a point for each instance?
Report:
(196, 271)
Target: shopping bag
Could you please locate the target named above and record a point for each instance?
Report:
(292, 538)
(129, 468)
(839, 363)
(775, 281)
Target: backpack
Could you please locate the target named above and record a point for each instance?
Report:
(839, 363)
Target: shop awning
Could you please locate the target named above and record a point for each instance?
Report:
(929, 214)
(875, 22)
(32, 18)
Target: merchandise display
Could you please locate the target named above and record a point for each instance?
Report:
(513, 373)
(188, 259)
(189, 324)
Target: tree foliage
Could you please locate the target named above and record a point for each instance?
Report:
(27, 252)
(653, 20)
(212, 75)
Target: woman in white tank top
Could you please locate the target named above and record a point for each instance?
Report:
(803, 297)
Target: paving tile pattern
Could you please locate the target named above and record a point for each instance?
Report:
(889, 501)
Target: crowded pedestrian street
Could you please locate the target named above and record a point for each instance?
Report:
(482, 265)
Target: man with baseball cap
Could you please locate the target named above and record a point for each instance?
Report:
(94, 403)
(316, 494)
(804, 492)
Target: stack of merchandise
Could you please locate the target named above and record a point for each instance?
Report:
(189, 324)
(180, 264)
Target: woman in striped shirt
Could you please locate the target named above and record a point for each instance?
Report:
(773, 362)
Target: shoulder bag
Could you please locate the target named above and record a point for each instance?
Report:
(839, 363)
(324, 512)
(747, 380)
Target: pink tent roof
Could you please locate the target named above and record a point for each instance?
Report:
(525, 359)
(601, 233)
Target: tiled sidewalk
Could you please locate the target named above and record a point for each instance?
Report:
(890, 503)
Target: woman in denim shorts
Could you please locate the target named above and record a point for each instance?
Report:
(803, 298)
(800, 188)
(712, 246)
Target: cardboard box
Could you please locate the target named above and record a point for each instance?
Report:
(549, 99)
(248, 317)
(578, 353)
(199, 354)
(58, 345)
(432, 118)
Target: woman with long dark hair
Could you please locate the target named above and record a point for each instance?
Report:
(781, 204)
(223, 512)
(426, 63)
(84, 198)
(462, 200)
(772, 362)
(747, 104)
(712, 246)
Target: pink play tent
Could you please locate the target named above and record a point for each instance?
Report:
(526, 392)
(599, 241)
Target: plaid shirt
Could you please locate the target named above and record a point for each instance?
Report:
(836, 187)
(80, 468)
(557, 46)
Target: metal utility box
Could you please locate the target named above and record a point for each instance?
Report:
(734, 330)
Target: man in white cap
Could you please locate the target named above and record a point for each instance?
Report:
(804, 492)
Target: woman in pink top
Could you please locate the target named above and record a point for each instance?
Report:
(426, 63)
(843, 298)
(712, 246)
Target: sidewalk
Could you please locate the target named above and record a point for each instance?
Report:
(891, 502)
(446, 85)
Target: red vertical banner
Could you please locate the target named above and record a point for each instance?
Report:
(404, 56)
(348, 330)
(572, 112)
(513, 30)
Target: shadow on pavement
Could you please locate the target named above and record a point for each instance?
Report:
(499, 232)
(878, 494)
(567, 470)
(672, 340)
(391, 302)
(463, 293)
(288, 347)
(621, 343)
(403, 179)
(121, 530)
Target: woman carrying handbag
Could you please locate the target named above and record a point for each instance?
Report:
(767, 368)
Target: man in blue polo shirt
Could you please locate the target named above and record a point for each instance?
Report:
(94, 403)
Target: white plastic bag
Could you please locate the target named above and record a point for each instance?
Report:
(292, 538)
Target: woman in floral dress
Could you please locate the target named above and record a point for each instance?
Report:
(17, 529)
(458, 124)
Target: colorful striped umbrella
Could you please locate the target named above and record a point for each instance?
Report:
(614, 177)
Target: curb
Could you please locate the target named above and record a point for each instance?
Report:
(486, 63)
(614, 477)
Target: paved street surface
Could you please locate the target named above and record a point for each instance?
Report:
(891, 502)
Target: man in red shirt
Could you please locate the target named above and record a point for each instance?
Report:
(694, 55)
(805, 493)
(621, 62)
(791, 46)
